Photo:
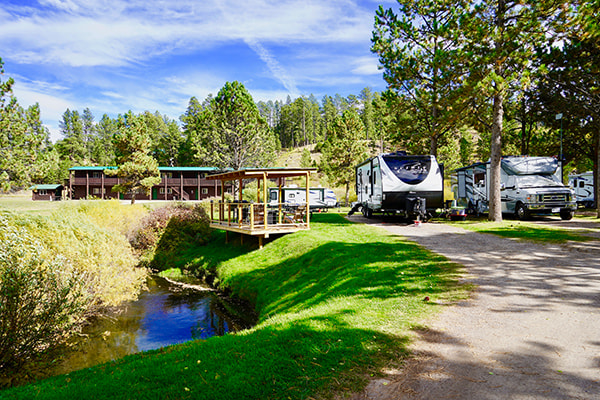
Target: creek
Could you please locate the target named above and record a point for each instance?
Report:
(168, 313)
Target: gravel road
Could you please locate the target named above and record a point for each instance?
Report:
(531, 330)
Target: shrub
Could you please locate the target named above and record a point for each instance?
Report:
(169, 230)
(42, 297)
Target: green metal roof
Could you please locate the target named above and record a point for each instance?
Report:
(197, 169)
(44, 187)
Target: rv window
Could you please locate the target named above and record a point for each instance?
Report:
(273, 195)
(581, 184)
(410, 170)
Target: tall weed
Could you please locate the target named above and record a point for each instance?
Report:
(43, 297)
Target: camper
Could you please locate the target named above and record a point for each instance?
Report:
(583, 186)
(411, 186)
(528, 185)
(319, 198)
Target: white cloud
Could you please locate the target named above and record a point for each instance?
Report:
(366, 66)
(114, 33)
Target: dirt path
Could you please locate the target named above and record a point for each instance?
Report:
(531, 330)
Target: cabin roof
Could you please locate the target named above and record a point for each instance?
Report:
(259, 173)
(194, 169)
(45, 187)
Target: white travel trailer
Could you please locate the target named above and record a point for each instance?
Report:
(319, 198)
(529, 185)
(583, 186)
(411, 186)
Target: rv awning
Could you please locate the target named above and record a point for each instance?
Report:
(259, 173)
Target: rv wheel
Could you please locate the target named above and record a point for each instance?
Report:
(367, 212)
(566, 214)
(522, 212)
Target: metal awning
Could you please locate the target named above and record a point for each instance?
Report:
(260, 173)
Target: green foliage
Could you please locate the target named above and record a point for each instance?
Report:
(168, 231)
(343, 149)
(419, 49)
(24, 142)
(229, 131)
(337, 303)
(137, 170)
(42, 296)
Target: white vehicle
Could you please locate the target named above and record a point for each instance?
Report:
(397, 183)
(529, 185)
(319, 198)
(583, 186)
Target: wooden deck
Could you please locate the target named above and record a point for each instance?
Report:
(261, 218)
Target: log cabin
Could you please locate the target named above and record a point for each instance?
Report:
(177, 183)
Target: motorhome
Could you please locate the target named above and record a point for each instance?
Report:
(319, 198)
(528, 185)
(411, 186)
(583, 186)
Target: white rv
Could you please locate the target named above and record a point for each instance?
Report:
(397, 183)
(529, 185)
(583, 186)
(319, 198)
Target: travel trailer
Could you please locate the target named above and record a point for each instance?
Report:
(583, 186)
(411, 186)
(529, 185)
(319, 198)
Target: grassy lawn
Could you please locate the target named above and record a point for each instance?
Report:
(526, 231)
(22, 202)
(336, 304)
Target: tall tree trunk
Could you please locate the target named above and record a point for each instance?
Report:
(347, 193)
(596, 164)
(495, 159)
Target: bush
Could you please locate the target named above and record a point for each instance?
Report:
(170, 230)
(42, 297)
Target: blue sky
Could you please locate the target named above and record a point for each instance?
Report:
(118, 55)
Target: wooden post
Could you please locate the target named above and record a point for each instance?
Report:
(260, 241)
(102, 189)
(71, 185)
(165, 177)
(198, 193)
(307, 200)
(240, 198)
(180, 185)
(87, 185)
(279, 200)
(265, 198)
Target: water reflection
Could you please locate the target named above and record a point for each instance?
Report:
(168, 313)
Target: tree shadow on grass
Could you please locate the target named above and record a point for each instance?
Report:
(373, 270)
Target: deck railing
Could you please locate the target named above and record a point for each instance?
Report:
(251, 216)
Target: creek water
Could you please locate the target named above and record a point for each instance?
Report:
(168, 313)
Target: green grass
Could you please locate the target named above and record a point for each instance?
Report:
(526, 231)
(336, 304)
(22, 202)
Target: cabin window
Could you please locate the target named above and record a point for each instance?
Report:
(97, 190)
(168, 175)
(96, 174)
(42, 192)
(204, 190)
(162, 190)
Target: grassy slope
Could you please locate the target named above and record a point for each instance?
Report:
(336, 304)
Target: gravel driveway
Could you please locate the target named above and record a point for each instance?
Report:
(530, 331)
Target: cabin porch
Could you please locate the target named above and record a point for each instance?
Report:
(261, 218)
